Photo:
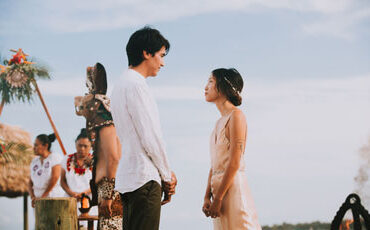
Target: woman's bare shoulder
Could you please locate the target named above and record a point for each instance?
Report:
(237, 115)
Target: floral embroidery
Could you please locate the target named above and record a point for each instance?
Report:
(72, 164)
(39, 172)
(47, 164)
(35, 167)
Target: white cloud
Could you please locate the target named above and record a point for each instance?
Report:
(80, 16)
(338, 25)
(349, 88)
(69, 87)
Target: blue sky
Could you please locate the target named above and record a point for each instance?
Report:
(306, 96)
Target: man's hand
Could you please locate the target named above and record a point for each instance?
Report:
(169, 187)
(105, 208)
(166, 199)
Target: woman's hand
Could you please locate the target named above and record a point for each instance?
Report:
(215, 209)
(206, 206)
(33, 201)
(75, 195)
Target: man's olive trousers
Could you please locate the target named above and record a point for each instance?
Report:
(142, 207)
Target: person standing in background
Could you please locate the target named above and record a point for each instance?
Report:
(45, 170)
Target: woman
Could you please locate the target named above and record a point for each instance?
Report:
(228, 199)
(76, 171)
(45, 170)
(107, 148)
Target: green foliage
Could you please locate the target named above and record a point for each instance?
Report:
(304, 226)
(25, 92)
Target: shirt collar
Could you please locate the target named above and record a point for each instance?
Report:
(136, 75)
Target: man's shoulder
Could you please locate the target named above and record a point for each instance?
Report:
(127, 81)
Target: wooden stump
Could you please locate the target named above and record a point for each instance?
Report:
(56, 213)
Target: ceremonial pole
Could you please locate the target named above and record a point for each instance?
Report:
(2, 106)
(48, 115)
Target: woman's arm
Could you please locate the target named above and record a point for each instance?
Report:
(64, 184)
(30, 189)
(237, 136)
(208, 194)
(32, 194)
(55, 174)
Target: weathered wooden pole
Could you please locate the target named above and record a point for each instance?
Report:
(56, 213)
(25, 212)
(2, 105)
(51, 121)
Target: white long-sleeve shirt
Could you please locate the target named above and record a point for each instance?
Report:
(136, 118)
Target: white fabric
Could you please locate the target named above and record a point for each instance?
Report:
(41, 173)
(76, 182)
(136, 118)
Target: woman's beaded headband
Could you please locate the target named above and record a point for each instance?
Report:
(227, 80)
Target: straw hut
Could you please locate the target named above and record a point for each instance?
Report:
(16, 154)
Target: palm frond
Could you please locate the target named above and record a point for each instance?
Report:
(16, 153)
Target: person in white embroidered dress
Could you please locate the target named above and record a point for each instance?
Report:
(144, 166)
(45, 170)
(76, 171)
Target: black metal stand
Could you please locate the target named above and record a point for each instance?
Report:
(352, 202)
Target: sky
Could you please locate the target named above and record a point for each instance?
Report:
(306, 97)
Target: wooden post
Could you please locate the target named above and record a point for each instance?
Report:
(25, 212)
(2, 105)
(51, 121)
(56, 213)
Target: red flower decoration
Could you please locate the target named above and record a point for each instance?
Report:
(2, 149)
(72, 163)
(16, 59)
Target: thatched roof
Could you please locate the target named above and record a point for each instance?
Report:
(15, 161)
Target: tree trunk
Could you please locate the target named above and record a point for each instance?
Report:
(56, 213)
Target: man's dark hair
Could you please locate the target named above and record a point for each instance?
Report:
(148, 39)
(230, 83)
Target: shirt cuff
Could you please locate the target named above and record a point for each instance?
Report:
(166, 176)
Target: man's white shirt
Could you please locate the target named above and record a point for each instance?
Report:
(136, 118)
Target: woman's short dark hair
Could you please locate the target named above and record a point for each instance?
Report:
(46, 139)
(83, 134)
(148, 39)
(230, 83)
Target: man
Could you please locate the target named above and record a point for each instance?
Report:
(144, 166)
